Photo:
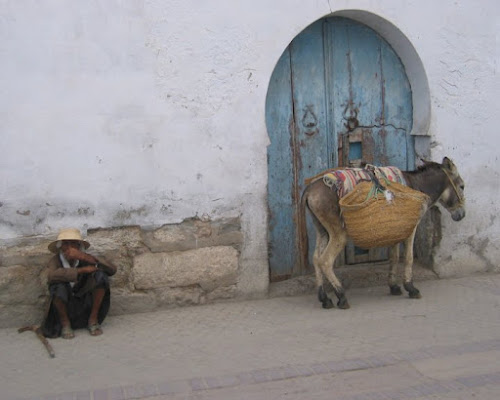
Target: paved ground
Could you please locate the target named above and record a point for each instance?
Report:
(443, 346)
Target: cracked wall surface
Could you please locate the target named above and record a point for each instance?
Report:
(149, 113)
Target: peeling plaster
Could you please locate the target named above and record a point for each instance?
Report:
(24, 213)
(479, 246)
(126, 215)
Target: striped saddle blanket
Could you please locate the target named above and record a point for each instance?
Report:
(344, 180)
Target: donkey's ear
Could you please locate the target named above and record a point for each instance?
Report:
(448, 164)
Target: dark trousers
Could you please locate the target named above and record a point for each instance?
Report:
(78, 303)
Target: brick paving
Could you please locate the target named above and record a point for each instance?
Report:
(230, 349)
(141, 391)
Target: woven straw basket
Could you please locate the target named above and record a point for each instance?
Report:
(373, 221)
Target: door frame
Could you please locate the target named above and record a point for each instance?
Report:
(415, 73)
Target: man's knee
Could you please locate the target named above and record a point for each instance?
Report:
(60, 291)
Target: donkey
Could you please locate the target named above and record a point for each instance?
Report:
(441, 182)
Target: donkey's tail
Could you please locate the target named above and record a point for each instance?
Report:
(39, 334)
(304, 240)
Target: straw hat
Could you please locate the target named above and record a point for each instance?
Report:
(68, 234)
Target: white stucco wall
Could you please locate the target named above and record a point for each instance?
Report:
(148, 112)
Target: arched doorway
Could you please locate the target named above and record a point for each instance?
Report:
(339, 93)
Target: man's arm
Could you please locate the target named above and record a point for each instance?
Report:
(108, 267)
(93, 262)
(56, 274)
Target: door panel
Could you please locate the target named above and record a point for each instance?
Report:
(308, 91)
(398, 108)
(311, 138)
(356, 72)
(339, 93)
(281, 196)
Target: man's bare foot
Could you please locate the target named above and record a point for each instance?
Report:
(95, 329)
(67, 332)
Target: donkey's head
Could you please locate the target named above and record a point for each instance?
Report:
(452, 197)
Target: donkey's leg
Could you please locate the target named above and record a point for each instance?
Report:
(393, 269)
(326, 260)
(413, 292)
(321, 240)
(323, 204)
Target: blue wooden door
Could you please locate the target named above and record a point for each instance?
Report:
(338, 94)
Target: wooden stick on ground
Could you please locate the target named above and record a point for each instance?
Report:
(43, 339)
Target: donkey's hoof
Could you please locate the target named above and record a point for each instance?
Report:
(396, 290)
(415, 294)
(343, 304)
(327, 304)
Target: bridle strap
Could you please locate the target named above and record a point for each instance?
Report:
(461, 199)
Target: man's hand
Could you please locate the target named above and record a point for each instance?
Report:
(90, 269)
(72, 254)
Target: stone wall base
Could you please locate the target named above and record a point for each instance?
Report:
(194, 262)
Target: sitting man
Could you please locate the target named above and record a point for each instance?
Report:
(78, 286)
